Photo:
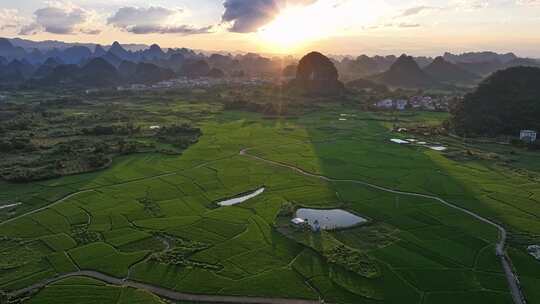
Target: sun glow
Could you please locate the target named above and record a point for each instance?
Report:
(297, 26)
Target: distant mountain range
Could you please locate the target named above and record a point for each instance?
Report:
(444, 71)
(465, 69)
(78, 64)
(25, 61)
(100, 73)
(405, 72)
(54, 44)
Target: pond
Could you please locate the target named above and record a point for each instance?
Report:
(399, 141)
(10, 206)
(438, 148)
(242, 198)
(329, 219)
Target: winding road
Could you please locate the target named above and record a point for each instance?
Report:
(512, 278)
(162, 292)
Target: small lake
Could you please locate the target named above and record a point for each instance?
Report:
(240, 199)
(330, 219)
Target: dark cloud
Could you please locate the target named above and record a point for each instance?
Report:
(248, 16)
(152, 20)
(127, 17)
(59, 20)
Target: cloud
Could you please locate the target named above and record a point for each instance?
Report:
(408, 25)
(154, 19)
(9, 19)
(469, 5)
(416, 10)
(61, 18)
(528, 2)
(247, 16)
(30, 29)
(127, 17)
(401, 25)
(180, 29)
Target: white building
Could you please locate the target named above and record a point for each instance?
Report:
(298, 221)
(422, 102)
(401, 104)
(528, 136)
(385, 104)
(534, 250)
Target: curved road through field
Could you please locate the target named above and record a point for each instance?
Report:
(162, 292)
(511, 277)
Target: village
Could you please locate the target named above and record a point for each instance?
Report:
(195, 83)
(426, 103)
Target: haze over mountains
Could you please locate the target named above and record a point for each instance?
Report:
(77, 65)
(53, 63)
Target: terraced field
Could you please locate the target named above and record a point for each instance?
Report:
(153, 219)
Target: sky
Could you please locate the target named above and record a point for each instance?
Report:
(337, 27)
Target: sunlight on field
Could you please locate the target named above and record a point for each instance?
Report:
(145, 204)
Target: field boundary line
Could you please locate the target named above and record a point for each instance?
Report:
(72, 194)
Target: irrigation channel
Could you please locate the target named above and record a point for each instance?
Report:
(512, 278)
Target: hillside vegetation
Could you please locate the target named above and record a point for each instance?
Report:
(505, 103)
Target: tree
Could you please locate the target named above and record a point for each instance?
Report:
(3, 297)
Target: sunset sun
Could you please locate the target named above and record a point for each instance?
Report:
(292, 29)
(296, 26)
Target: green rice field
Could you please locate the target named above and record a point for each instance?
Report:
(153, 218)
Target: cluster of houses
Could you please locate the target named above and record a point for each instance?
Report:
(416, 102)
(3, 98)
(528, 136)
(193, 83)
(304, 224)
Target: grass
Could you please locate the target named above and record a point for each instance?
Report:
(89, 292)
(62, 263)
(59, 242)
(102, 257)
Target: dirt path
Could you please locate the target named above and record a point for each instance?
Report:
(162, 292)
(511, 277)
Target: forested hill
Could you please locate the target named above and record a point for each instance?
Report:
(505, 103)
